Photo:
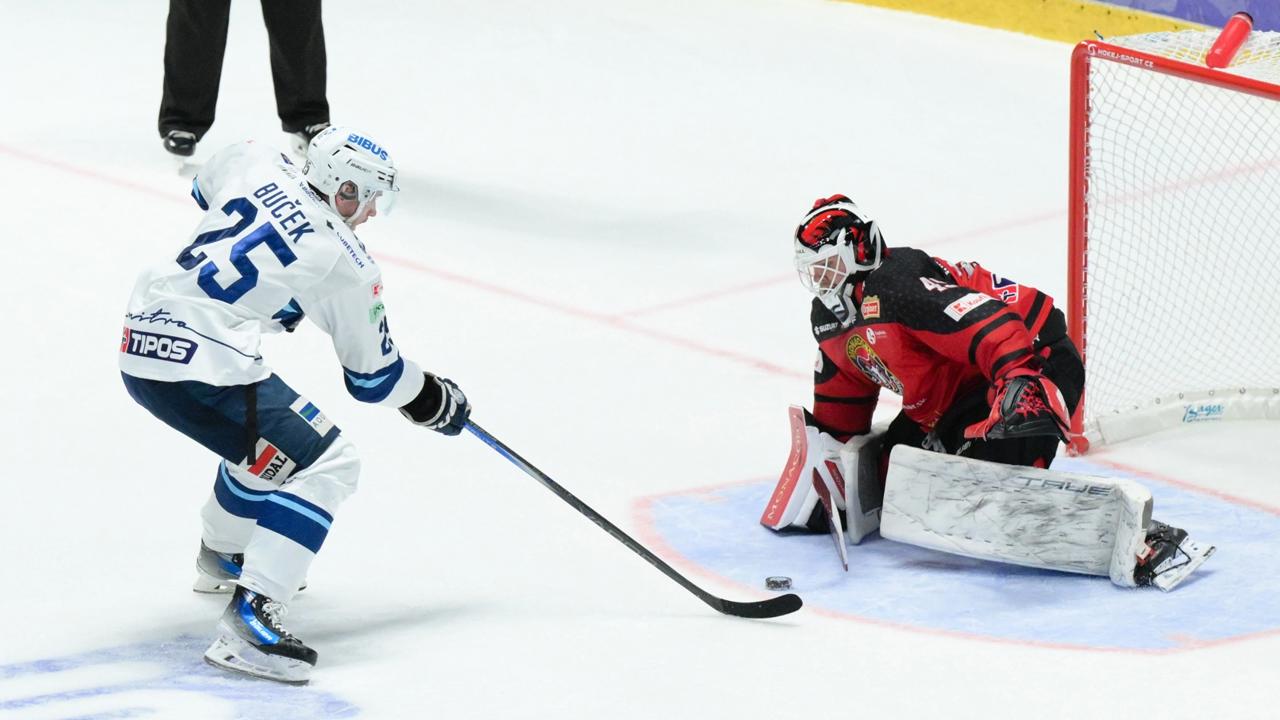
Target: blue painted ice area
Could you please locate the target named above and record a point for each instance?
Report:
(1235, 593)
(153, 679)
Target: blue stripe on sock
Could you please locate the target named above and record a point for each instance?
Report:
(303, 507)
(296, 519)
(235, 498)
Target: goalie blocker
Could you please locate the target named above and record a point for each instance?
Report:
(985, 510)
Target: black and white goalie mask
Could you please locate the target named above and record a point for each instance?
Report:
(834, 243)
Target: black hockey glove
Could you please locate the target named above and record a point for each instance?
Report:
(440, 406)
(1024, 403)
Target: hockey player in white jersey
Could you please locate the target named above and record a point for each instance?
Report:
(275, 244)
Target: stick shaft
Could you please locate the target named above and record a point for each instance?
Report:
(768, 608)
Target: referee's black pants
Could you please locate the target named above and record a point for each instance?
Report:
(196, 39)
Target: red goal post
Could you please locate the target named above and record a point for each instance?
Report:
(1174, 249)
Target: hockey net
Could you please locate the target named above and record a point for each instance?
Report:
(1175, 232)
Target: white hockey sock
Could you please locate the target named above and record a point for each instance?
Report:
(294, 521)
(231, 512)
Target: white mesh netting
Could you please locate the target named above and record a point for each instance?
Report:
(1183, 228)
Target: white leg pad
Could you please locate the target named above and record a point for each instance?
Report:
(1016, 514)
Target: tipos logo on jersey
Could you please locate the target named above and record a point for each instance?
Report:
(1004, 288)
(157, 347)
(312, 415)
(866, 360)
(870, 309)
(367, 144)
(269, 463)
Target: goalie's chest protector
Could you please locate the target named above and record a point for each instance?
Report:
(912, 335)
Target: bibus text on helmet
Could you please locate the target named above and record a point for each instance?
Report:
(347, 166)
(836, 242)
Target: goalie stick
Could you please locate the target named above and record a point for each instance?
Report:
(773, 607)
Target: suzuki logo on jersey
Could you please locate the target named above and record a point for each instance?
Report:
(367, 144)
(866, 360)
(157, 347)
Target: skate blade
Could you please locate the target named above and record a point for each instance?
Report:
(1197, 554)
(210, 585)
(232, 653)
(213, 586)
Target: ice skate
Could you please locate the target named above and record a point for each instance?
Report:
(181, 146)
(1171, 557)
(218, 572)
(180, 143)
(253, 641)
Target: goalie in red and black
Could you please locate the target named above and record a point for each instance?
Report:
(983, 364)
(986, 373)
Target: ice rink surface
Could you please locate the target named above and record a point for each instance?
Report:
(594, 241)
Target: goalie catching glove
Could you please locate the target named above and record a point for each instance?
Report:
(1024, 403)
(439, 406)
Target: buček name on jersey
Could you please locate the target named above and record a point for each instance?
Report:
(278, 202)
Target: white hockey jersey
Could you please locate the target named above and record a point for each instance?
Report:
(267, 252)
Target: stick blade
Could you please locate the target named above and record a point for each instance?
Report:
(771, 608)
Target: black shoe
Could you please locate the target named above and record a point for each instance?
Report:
(302, 138)
(180, 143)
(253, 641)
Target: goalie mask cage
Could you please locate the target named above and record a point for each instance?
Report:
(1174, 256)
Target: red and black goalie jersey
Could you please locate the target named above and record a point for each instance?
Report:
(928, 330)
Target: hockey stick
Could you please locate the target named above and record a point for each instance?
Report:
(773, 607)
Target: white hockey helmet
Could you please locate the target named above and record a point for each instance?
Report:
(834, 242)
(345, 163)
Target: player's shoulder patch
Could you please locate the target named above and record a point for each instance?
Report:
(916, 290)
(959, 308)
(869, 309)
(1005, 289)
